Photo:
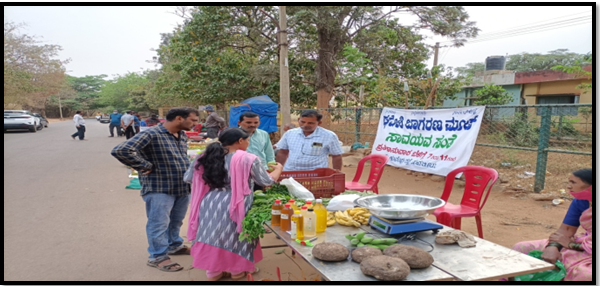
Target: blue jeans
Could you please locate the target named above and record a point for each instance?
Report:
(165, 215)
(80, 132)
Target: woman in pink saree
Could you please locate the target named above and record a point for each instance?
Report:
(222, 182)
(573, 250)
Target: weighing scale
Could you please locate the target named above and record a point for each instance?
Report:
(396, 227)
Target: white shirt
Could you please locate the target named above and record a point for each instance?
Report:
(78, 119)
(309, 152)
(127, 118)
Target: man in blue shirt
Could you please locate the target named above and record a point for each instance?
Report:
(308, 147)
(115, 122)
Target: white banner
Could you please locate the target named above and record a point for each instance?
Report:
(429, 141)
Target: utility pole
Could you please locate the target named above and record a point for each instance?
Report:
(60, 108)
(435, 55)
(284, 73)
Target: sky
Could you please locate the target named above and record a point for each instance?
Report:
(117, 40)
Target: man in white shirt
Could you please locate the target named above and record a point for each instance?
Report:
(127, 123)
(80, 125)
(309, 147)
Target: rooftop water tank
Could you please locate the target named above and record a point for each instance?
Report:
(495, 63)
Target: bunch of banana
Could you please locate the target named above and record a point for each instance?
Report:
(330, 219)
(345, 219)
(360, 215)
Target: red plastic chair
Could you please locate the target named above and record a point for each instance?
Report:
(478, 184)
(378, 163)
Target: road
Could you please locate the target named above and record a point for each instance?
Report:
(67, 214)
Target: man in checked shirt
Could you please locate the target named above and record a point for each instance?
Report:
(159, 154)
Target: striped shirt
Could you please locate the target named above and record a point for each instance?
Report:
(158, 150)
(309, 152)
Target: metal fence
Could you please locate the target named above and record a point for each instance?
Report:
(548, 140)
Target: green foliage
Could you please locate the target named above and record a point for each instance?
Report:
(470, 69)
(492, 94)
(87, 91)
(521, 131)
(536, 62)
(577, 69)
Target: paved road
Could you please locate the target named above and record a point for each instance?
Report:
(67, 214)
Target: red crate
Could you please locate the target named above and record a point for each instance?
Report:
(190, 133)
(323, 182)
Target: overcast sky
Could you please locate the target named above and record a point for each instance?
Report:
(117, 40)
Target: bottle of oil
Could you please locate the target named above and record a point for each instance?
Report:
(297, 226)
(303, 210)
(321, 212)
(294, 205)
(276, 213)
(286, 216)
(310, 223)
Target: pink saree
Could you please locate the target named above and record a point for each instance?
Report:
(578, 263)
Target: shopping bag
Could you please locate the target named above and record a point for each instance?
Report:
(556, 274)
(297, 190)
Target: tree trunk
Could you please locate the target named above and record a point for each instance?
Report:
(329, 45)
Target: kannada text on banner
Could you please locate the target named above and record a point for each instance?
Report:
(429, 141)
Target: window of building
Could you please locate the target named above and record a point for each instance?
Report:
(559, 99)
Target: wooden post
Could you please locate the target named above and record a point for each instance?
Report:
(284, 74)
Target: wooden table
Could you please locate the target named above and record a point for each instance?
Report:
(486, 261)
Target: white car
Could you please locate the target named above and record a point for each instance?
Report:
(21, 119)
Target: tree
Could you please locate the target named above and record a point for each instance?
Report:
(577, 69)
(492, 94)
(31, 74)
(470, 69)
(228, 53)
(88, 90)
(526, 62)
(334, 26)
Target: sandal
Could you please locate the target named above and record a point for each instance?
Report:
(167, 267)
(245, 274)
(179, 250)
(223, 274)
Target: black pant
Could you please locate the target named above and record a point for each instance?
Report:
(80, 132)
(129, 132)
(111, 127)
(212, 132)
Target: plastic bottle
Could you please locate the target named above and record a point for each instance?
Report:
(366, 144)
(276, 213)
(286, 216)
(304, 210)
(321, 212)
(309, 204)
(310, 223)
(294, 205)
(297, 226)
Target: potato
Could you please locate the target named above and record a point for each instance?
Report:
(385, 268)
(414, 256)
(361, 253)
(330, 251)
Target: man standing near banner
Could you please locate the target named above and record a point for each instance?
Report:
(309, 147)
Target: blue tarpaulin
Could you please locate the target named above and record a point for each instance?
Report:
(261, 105)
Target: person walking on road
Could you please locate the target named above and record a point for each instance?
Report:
(115, 122)
(127, 124)
(80, 125)
(214, 122)
(159, 155)
(309, 146)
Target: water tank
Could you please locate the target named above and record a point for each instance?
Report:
(495, 63)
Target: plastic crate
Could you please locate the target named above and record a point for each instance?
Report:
(190, 133)
(323, 182)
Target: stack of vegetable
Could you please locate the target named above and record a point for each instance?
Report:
(360, 240)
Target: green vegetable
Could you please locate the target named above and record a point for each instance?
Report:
(252, 225)
(354, 242)
(377, 241)
(366, 240)
(350, 237)
(389, 241)
(371, 245)
(360, 235)
(360, 245)
(382, 246)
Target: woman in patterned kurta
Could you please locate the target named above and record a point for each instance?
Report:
(222, 183)
(573, 250)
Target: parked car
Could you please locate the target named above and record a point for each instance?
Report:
(104, 119)
(21, 119)
(43, 119)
